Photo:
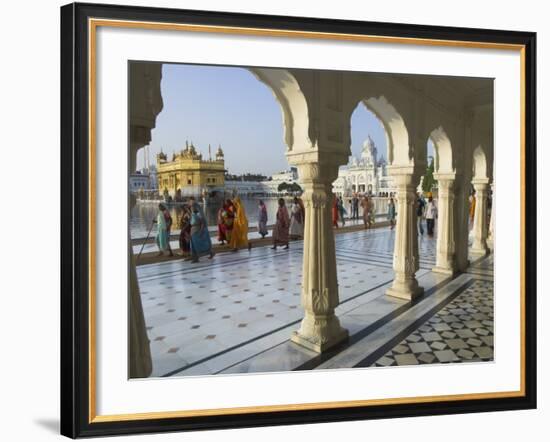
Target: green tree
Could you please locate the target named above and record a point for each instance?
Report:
(429, 181)
(283, 187)
(295, 187)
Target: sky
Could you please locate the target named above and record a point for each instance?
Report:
(229, 106)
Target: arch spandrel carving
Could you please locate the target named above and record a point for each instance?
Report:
(444, 159)
(294, 106)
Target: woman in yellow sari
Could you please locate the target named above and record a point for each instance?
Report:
(239, 234)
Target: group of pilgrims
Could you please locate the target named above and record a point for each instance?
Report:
(232, 223)
(339, 212)
(194, 238)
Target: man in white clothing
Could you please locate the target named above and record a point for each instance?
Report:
(431, 215)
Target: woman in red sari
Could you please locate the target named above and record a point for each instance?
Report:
(185, 232)
(280, 231)
(226, 216)
(335, 212)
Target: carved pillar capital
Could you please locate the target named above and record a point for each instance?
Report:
(317, 173)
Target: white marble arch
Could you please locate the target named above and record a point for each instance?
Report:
(403, 166)
(444, 163)
(479, 170)
(445, 173)
(480, 182)
(293, 103)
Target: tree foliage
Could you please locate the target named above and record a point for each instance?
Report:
(286, 187)
(282, 187)
(429, 181)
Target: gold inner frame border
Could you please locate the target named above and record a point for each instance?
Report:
(93, 24)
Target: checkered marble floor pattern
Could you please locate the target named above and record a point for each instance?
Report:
(235, 313)
(460, 332)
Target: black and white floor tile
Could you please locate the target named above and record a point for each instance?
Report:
(460, 332)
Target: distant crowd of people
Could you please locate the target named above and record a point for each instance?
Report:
(232, 222)
(366, 202)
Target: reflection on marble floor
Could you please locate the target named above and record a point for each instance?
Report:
(235, 314)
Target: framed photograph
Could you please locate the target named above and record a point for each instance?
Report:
(274, 220)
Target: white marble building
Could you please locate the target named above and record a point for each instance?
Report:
(265, 187)
(366, 174)
(138, 181)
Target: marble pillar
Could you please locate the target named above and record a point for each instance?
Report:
(405, 255)
(145, 104)
(479, 245)
(320, 328)
(490, 234)
(462, 222)
(140, 364)
(445, 249)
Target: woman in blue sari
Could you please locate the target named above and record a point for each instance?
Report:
(200, 243)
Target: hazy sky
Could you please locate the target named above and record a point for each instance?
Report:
(229, 106)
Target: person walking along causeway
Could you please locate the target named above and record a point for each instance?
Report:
(200, 243)
(368, 208)
(168, 221)
(391, 213)
(431, 215)
(280, 231)
(297, 220)
(262, 219)
(226, 216)
(420, 206)
(335, 212)
(239, 236)
(185, 232)
(355, 207)
(341, 210)
(162, 236)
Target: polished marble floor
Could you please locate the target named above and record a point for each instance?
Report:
(235, 313)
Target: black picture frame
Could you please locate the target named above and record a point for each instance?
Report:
(75, 219)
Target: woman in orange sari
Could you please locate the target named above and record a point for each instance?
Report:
(239, 235)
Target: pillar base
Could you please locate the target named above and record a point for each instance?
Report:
(445, 270)
(320, 335)
(407, 293)
(484, 251)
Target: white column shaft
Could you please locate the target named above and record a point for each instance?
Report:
(479, 246)
(490, 234)
(405, 256)
(320, 329)
(445, 248)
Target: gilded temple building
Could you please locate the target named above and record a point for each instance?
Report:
(188, 173)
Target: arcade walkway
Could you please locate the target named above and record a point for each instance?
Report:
(235, 314)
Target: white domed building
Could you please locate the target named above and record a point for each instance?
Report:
(364, 175)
